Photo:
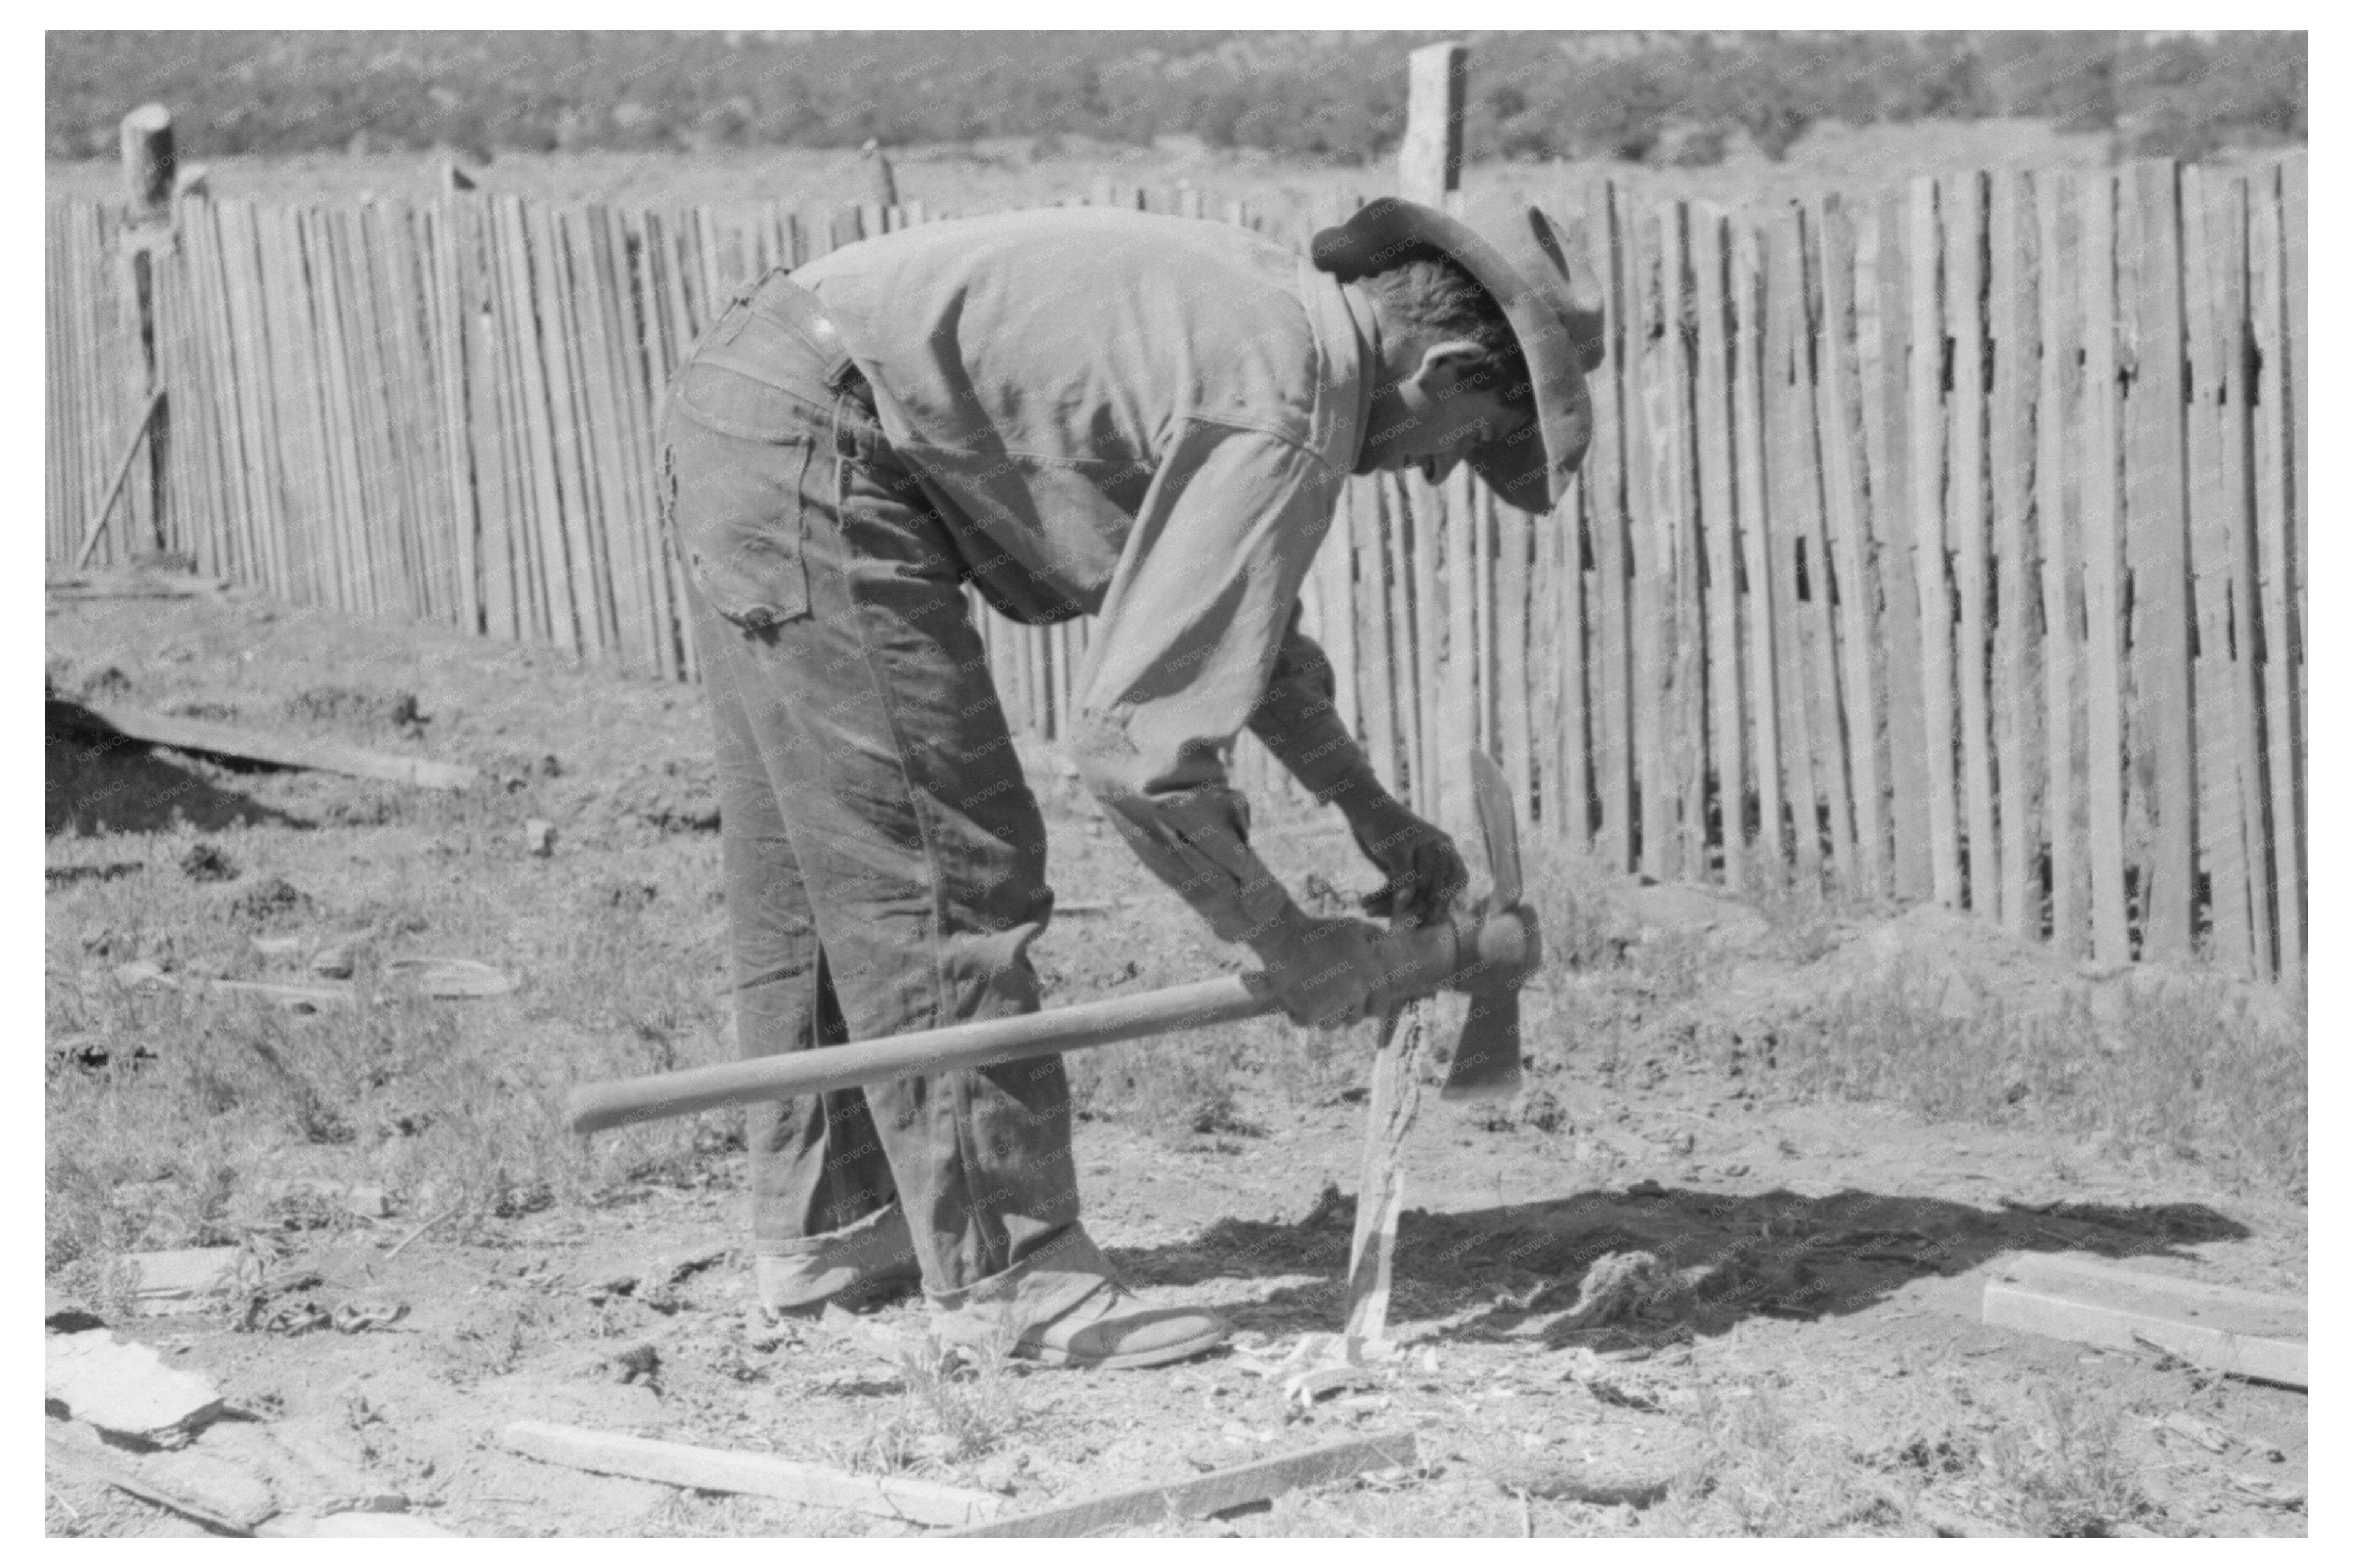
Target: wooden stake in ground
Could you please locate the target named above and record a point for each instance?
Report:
(1390, 1110)
(1429, 166)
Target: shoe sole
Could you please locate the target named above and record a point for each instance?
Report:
(852, 1298)
(1184, 1350)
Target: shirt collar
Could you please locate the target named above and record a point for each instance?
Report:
(1347, 341)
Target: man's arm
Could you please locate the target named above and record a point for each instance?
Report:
(1187, 641)
(1297, 721)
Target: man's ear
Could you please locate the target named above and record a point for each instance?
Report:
(1446, 363)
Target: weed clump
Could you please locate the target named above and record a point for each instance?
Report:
(2190, 1072)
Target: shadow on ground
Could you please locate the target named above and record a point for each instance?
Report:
(1720, 1258)
(97, 781)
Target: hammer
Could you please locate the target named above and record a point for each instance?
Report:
(1488, 949)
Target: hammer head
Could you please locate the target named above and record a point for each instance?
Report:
(1486, 1064)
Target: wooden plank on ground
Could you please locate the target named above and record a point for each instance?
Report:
(756, 1475)
(2272, 638)
(1213, 1493)
(2211, 254)
(2057, 433)
(2156, 549)
(1718, 530)
(95, 1462)
(1772, 853)
(1925, 462)
(2010, 582)
(1847, 588)
(2104, 699)
(1965, 525)
(2242, 1332)
(227, 741)
(1605, 512)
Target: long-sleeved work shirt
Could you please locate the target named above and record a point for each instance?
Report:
(1147, 419)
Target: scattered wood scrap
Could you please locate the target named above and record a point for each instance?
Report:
(757, 1474)
(178, 1281)
(443, 979)
(125, 1388)
(135, 585)
(225, 741)
(1213, 1493)
(2242, 1332)
(356, 1524)
(120, 1472)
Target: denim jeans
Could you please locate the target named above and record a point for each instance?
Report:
(885, 861)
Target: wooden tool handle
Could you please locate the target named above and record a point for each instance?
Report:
(596, 1106)
(1418, 962)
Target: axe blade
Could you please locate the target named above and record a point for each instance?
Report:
(1499, 828)
(1486, 1064)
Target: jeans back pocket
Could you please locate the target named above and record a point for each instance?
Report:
(737, 453)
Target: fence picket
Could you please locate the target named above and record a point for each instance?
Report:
(1846, 589)
(2274, 639)
(1771, 853)
(1925, 463)
(2294, 227)
(1790, 471)
(1818, 632)
(1719, 532)
(2057, 431)
(1965, 528)
(2009, 277)
(2156, 548)
(1882, 296)
(2211, 255)
(2103, 572)
(1610, 464)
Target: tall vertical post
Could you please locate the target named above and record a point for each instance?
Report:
(149, 162)
(1429, 163)
(149, 167)
(1430, 171)
(878, 172)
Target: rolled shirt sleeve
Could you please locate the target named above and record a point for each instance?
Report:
(1196, 623)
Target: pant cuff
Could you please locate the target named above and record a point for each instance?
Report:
(1044, 1285)
(800, 1245)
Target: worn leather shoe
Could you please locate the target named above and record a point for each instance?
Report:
(1111, 1329)
(849, 1269)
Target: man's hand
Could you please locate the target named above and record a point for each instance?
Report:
(1425, 872)
(1326, 973)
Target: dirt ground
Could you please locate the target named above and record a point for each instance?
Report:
(1821, 1369)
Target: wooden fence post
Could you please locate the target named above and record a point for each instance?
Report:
(149, 162)
(1429, 163)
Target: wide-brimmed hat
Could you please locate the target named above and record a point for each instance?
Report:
(1558, 330)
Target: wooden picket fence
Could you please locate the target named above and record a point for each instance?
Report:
(1950, 545)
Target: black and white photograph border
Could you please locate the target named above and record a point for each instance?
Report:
(1245, 784)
